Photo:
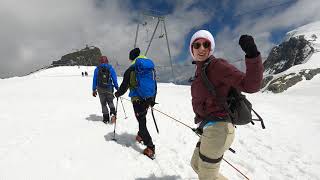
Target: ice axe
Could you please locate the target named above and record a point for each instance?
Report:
(154, 120)
(125, 114)
(115, 123)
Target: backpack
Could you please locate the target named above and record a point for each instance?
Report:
(145, 78)
(103, 76)
(237, 105)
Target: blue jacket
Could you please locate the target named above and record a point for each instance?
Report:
(113, 83)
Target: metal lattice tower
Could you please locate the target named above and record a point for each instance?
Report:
(160, 19)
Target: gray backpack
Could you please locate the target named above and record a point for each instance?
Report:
(236, 104)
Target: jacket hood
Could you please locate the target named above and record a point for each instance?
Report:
(205, 35)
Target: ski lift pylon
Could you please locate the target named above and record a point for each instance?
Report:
(160, 20)
(161, 32)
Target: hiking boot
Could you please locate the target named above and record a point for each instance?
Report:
(106, 122)
(106, 118)
(113, 119)
(149, 151)
(138, 139)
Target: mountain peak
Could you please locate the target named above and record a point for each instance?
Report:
(294, 60)
(89, 56)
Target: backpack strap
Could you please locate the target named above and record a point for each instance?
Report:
(222, 101)
(209, 85)
(211, 88)
(205, 79)
(259, 119)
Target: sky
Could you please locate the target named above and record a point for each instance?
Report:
(34, 33)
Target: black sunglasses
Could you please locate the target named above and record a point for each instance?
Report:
(197, 45)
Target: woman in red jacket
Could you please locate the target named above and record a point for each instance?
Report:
(210, 115)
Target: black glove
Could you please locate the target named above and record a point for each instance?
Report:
(116, 94)
(248, 46)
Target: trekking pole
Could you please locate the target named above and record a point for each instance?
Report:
(115, 123)
(236, 169)
(154, 120)
(125, 114)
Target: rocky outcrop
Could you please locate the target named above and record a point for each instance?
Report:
(89, 56)
(295, 51)
(282, 83)
(266, 80)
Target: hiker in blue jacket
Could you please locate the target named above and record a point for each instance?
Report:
(104, 80)
(140, 104)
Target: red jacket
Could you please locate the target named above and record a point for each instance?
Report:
(223, 75)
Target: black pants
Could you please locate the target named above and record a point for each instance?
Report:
(140, 110)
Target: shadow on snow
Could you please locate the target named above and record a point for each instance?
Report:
(125, 139)
(94, 117)
(153, 177)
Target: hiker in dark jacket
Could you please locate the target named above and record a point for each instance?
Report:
(105, 91)
(140, 105)
(217, 136)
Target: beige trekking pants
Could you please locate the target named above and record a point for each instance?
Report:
(215, 140)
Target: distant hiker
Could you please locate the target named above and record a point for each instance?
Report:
(140, 79)
(104, 80)
(211, 117)
(86, 73)
(82, 74)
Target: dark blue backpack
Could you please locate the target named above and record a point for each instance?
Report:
(104, 77)
(146, 78)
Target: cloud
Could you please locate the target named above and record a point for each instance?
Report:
(184, 17)
(36, 32)
(262, 23)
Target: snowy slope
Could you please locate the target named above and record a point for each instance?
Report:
(50, 128)
(307, 30)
